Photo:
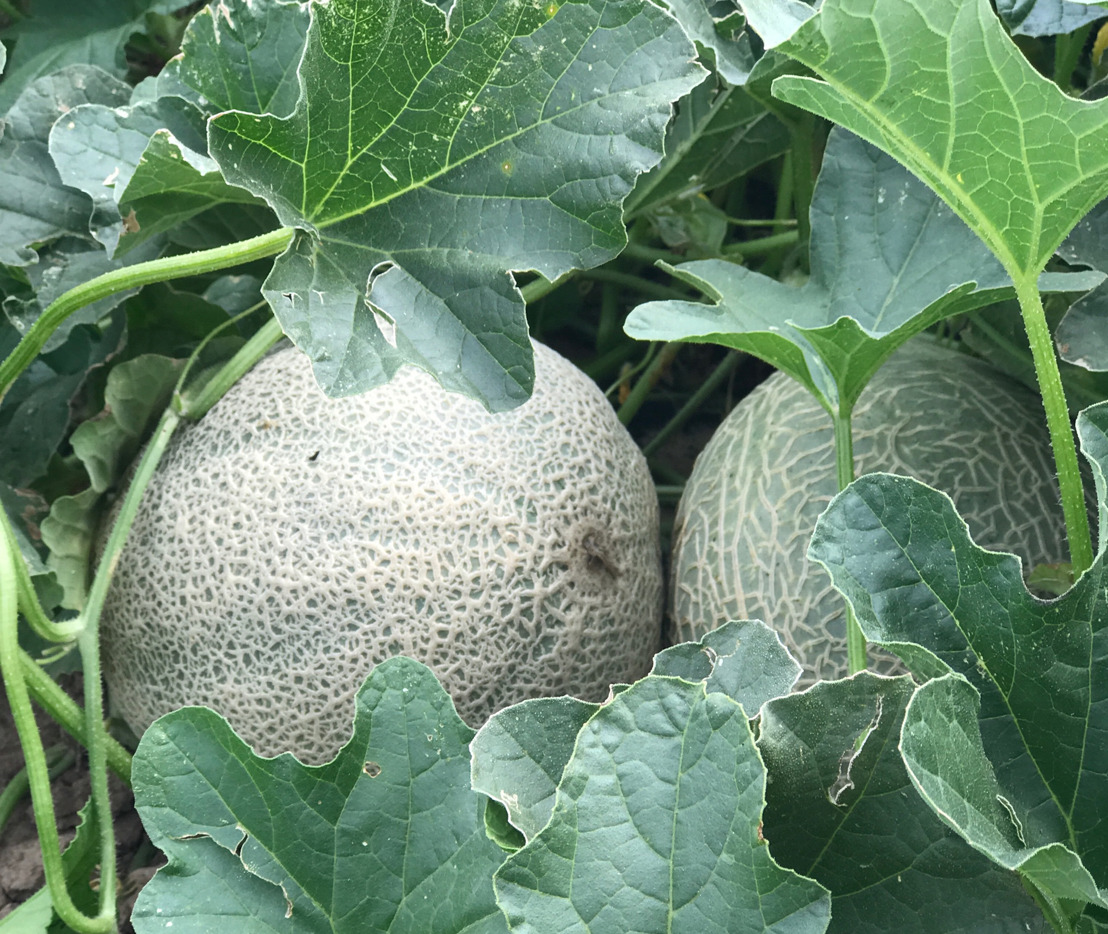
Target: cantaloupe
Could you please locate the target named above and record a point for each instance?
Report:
(748, 511)
(288, 542)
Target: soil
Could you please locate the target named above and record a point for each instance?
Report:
(21, 873)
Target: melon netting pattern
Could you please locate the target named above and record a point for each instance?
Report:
(289, 542)
(747, 515)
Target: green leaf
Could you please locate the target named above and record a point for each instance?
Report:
(241, 55)
(656, 826)
(1081, 337)
(745, 660)
(943, 751)
(1045, 17)
(68, 533)
(386, 837)
(841, 809)
(142, 181)
(888, 260)
(904, 560)
(959, 105)
(35, 205)
(506, 142)
(61, 33)
(520, 753)
(717, 135)
(721, 32)
(137, 392)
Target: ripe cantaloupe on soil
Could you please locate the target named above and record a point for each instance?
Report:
(751, 503)
(288, 542)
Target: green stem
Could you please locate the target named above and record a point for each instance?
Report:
(29, 606)
(11, 12)
(58, 759)
(1058, 423)
(645, 286)
(718, 375)
(647, 382)
(68, 714)
(541, 287)
(844, 473)
(650, 254)
(129, 277)
(38, 773)
(804, 176)
(250, 353)
(762, 245)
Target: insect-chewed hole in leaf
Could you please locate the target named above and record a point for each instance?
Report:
(372, 769)
(844, 783)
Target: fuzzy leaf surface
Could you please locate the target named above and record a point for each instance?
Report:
(745, 660)
(888, 259)
(655, 828)
(904, 559)
(942, 88)
(840, 786)
(520, 753)
(430, 155)
(386, 837)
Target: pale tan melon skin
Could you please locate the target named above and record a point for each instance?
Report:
(288, 542)
(747, 514)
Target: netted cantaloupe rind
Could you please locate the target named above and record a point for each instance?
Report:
(289, 542)
(748, 511)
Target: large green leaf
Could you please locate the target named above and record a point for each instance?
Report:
(63, 32)
(656, 828)
(904, 560)
(943, 88)
(35, 205)
(841, 809)
(387, 837)
(519, 756)
(431, 154)
(888, 259)
(721, 31)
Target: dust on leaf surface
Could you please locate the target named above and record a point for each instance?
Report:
(431, 155)
(386, 837)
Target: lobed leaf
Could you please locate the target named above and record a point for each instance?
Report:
(888, 259)
(942, 88)
(387, 836)
(430, 154)
(656, 827)
(904, 560)
(841, 810)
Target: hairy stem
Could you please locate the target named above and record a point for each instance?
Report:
(119, 280)
(251, 352)
(69, 715)
(38, 773)
(1058, 423)
(844, 472)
